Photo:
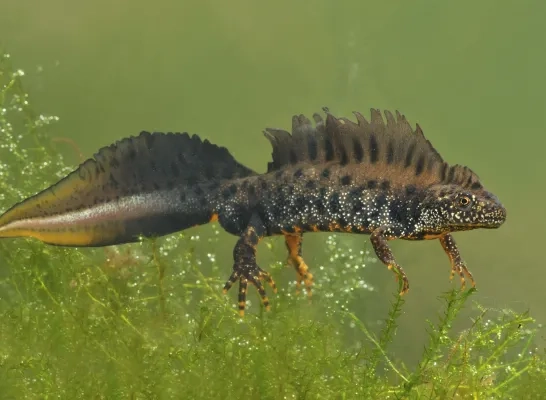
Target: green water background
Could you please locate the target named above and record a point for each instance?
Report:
(472, 74)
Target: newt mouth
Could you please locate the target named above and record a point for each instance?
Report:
(491, 220)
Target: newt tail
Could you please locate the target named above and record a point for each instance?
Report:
(372, 177)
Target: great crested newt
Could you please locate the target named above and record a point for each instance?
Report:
(379, 177)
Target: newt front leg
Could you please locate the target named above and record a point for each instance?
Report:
(379, 239)
(293, 244)
(245, 268)
(457, 264)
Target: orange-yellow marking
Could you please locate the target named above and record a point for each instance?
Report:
(213, 218)
(66, 238)
(432, 236)
(294, 259)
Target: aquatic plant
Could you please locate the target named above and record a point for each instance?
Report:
(148, 320)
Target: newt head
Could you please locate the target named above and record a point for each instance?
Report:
(450, 208)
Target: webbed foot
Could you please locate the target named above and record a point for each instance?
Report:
(249, 272)
(303, 275)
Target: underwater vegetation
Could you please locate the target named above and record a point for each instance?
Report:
(149, 321)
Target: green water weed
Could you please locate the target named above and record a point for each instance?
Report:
(148, 320)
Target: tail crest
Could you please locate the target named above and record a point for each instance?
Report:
(127, 187)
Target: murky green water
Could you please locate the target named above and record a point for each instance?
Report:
(470, 73)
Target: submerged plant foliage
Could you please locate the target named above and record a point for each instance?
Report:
(148, 321)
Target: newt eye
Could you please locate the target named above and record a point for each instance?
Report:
(464, 202)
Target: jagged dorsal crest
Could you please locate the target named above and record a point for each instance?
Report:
(392, 145)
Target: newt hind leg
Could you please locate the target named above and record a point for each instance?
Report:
(245, 268)
(458, 266)
(293, 244)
